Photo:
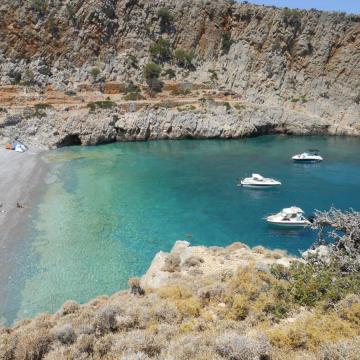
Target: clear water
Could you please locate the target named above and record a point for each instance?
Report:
(109, 209)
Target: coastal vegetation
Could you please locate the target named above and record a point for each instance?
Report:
(105, 104)
(308, 310)
(152, 73)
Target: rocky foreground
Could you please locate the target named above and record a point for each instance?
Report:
(227, 70)
(205, 303)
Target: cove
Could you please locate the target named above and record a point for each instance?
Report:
(107, 210)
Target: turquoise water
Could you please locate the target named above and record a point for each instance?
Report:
(107, 210)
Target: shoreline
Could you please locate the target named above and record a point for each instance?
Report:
(23, 177)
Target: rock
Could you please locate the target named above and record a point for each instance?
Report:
(321, 253)
(221, 264)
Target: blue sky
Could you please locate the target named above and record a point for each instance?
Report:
(350, 6)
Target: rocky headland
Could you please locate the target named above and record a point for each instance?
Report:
(73, 72)
(204, 303)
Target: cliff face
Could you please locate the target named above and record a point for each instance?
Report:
(306, 61)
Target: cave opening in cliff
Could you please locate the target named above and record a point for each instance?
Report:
(69, 140)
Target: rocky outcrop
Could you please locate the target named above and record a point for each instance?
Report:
(187, 262)
(293, 66)
(57, 128)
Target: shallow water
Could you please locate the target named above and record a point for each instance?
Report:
(107, 210)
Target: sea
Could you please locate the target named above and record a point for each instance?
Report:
(107, 210)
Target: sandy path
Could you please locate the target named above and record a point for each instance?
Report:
(22, 176)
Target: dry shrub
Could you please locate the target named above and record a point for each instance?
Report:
(193, 260)
(231, 345)
(214, 292)
(60, 353)
(239, 308)
(69, 307)
(85, 343)
(310, 331)
(342, 350)
(137, 341)
(172, 263)
(349, 309)
(8, 344)
(190, 346)
(34, 344)
(105, 319)
(135, 287)
(103, 346)
(189, 307)
(65, 334)
(85, 329)
(135, 356)
(175, 292)
(259, 250)
(250, 282)
(166, 312)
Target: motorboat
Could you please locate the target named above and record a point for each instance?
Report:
(310, 156)
(289, 217)
(258, 181)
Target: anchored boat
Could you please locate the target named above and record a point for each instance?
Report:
(310, 156)
(289, 217)
(258, 181)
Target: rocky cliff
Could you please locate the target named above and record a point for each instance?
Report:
(286, 64)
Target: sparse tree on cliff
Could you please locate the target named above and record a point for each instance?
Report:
(165, 18)
(151, 74)
(161, 50)
(341, 232)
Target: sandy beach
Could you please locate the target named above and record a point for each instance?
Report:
(22, 176)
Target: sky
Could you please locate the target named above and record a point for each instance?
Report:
(350, 6)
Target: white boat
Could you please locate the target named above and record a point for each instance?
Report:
(289, 217)
(310, 156)
(258, 181)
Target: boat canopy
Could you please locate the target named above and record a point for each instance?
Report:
(292, 210)
(257, 177)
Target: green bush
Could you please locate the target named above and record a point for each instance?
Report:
(226, 42)
(165, 18)
(39, 110)
(239, 107)
(227, 106)
(133, 97)
(29, 78)
(104, 104)
(184, 58)
(39, 6)
(214, 75)
(161, 50)
(133, 61)
(151, 74)
(70, 93)
(131, 88)
(94, 72)
(178, 92)
(169, 73)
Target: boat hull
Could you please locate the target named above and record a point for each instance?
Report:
(307, 161)
(262, 186)
(287, 224)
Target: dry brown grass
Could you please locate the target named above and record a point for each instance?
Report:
(237, 316)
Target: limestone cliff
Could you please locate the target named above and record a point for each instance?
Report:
(288, 62)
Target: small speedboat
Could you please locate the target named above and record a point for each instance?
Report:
(289, 217)
(258, 181)
(310, 156)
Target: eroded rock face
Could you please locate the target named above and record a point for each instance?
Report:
(275, 58)
(60, 128)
